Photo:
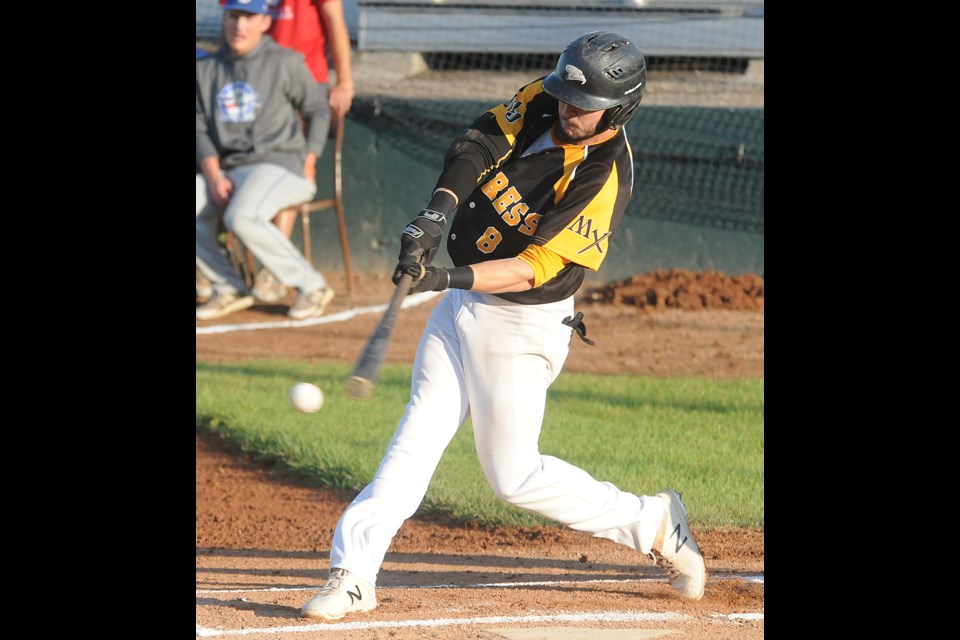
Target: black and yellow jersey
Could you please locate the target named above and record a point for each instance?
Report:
(530, 188)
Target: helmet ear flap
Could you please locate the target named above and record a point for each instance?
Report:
(616, 117)
(609, 116)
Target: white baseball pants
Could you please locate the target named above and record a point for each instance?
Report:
(493, 360)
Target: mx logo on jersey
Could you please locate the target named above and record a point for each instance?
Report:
(238, 102)
(584, 227)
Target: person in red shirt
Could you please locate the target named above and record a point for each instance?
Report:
(311, 27)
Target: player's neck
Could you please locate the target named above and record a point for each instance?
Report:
(600, 137)
(603, 136)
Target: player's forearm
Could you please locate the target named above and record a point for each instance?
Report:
(502, 276)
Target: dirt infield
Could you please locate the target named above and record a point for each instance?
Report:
(263, 534)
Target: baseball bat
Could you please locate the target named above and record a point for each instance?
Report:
(359, 385)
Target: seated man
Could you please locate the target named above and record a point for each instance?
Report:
(255, 159)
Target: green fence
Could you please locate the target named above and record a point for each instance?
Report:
(698, 191)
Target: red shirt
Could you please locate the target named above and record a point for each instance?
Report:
(297, 25)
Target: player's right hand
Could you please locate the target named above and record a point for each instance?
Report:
(424, 278)
(414, 269)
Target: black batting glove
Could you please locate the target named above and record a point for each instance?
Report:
(421, 238)
(429, 278)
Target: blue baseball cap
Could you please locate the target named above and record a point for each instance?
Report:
(250, 6)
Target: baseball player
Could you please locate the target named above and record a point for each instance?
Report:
(539, 185)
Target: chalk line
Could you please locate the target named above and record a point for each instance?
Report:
(410, 301)
(204, 632)
(481, 585)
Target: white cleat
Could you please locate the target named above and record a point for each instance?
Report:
(344, 593)
(675, 550)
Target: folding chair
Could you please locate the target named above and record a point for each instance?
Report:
(335, 202)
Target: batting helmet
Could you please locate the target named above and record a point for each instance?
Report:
(600, 70)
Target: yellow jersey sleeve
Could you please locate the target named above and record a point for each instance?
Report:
(544, 262)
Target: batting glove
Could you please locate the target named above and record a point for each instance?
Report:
(420, 239)
(431, 278)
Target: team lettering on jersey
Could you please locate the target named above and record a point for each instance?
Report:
(508, 204)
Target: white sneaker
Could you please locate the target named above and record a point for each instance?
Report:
(221, 304)
(344, 593)
(675, 551)
(311, 304)
(266, 287)
(204, 288)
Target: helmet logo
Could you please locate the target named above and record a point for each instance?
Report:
(575, 74)
(629, 91)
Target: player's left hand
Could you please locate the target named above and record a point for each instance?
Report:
(420, 240)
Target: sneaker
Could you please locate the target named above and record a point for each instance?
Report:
(311, 304)
(267, 288)
(675, 551)
(344, 593)
(221, 304)
(204, 288)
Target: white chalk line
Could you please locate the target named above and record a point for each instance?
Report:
(610, 616)
(203, 632)
(410, 301)
(481, 585)
(738, 616)
(585, 617)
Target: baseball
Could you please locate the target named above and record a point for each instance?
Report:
(306, 397)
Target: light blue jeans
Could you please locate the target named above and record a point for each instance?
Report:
(260, 191)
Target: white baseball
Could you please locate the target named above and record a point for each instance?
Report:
(306, 397)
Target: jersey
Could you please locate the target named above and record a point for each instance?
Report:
(534, 189)
(297, 24)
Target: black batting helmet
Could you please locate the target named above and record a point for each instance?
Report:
(600, 70)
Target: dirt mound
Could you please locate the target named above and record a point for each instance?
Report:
(685, 290)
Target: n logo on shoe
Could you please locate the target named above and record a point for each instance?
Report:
(358, 597)
(680, 543)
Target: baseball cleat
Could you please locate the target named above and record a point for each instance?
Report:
(344, 593)
(675, 551)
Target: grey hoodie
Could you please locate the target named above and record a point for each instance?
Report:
(247, 107)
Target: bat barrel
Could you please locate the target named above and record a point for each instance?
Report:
(360, 384)
(358, 388)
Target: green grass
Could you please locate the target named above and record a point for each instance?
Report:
(702, 437)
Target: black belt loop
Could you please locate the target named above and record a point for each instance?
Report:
(576, 323)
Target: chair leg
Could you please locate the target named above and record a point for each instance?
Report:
(336, 202)
(305, 226)
(344, 245)
(243, 265)
(251, 273)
